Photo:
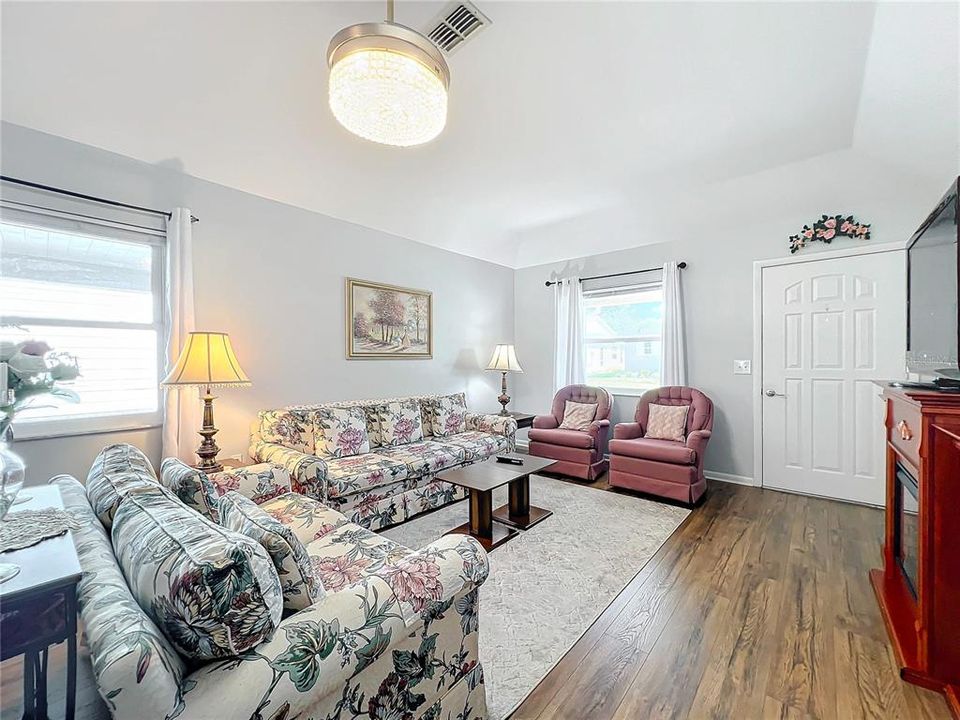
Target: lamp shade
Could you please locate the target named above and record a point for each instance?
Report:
(207, 360)
(504, 359)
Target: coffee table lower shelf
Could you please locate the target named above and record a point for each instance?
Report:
(498, 535)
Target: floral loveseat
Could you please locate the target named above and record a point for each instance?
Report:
(376, 460)
(391, 634)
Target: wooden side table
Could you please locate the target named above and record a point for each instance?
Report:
(524, 420)
(38, 608)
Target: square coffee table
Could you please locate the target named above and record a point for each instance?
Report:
(481, 479)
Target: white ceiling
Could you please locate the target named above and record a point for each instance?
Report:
(558, 111)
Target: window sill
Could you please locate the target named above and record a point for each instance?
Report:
(25, 431)
(619, 392)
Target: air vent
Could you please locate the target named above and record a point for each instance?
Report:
(455, 25)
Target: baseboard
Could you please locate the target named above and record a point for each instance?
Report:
(729, 478)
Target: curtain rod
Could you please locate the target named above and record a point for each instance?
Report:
(680, 265)
(91, 198)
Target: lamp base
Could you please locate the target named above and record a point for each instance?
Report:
(504, 399)
(208, 450)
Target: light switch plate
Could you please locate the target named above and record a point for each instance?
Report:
(741, 367)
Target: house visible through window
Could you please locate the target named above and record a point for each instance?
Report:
(622, 339)
(96, 294)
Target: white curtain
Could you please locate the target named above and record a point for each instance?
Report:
(568, 353)
(673, 368)
(181, 417)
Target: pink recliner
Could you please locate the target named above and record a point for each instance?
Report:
(663, 467)
(579, 453)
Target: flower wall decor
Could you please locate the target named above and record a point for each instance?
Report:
(827, 228)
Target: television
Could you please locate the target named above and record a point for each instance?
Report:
(933, 279)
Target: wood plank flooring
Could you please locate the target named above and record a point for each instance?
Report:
(757, 607)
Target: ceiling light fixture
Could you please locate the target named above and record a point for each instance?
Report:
(388, 83)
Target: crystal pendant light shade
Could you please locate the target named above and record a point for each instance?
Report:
(388, 84)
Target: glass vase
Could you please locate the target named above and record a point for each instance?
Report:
(12, 472)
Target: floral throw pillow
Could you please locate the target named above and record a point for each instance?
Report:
(192, 486)
(667, 422)
(300, 588)
(214, 593)
(578, 416)
(449, 415)
(117, 470)
(291, 428)
(341, 432)
(401, 423)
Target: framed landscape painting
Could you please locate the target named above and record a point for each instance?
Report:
(385, 321)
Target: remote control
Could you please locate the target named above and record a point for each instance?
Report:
(509, 460)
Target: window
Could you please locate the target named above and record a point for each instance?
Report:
(622, 340)
(93, 291)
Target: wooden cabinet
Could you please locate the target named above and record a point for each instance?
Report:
(919, 586)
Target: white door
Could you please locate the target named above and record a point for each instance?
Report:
(830, 328)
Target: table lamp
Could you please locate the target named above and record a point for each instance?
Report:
(207, 361)
(505, 360)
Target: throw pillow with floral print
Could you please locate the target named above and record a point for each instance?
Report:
(291, 428)
(449, 415)
(341, 432)
(300, 588)
(117, 470)
(192, 486)
(401, 422)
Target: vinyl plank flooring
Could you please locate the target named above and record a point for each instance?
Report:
(758, 606)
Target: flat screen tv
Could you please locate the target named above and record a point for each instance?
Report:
(933, 278)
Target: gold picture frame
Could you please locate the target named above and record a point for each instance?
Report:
(388, 322)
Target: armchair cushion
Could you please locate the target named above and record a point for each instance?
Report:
(300, 587)
(667, 451)
(307, 518)
(667, 422)
(567, 438)
(578, 416)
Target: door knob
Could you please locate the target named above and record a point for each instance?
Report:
(773, 393)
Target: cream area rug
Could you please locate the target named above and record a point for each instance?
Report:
(548, 585)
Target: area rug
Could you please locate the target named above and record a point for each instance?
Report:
(549, 584)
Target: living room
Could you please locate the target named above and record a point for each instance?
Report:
(560, 372)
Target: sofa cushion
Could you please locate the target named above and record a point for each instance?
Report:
(426, 456)
(242, 515)
(401, 422)
(341, 432)
(309, 519)
(478, 445)
(348, 475)
(259, 482)
(567, 438)
(214, 593)
(292, 428)
(117, 470)
(192, 486)
(350, 553)
(447, 414)
(667, 451)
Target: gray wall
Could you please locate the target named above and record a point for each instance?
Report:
(719, 230)
(272, 276)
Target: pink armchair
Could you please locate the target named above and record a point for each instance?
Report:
(663, 467)
(579, 453)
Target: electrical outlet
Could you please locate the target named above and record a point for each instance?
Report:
(238, 457)
(741, 367)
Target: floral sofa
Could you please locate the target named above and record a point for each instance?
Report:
(176, 630)
(376, 460)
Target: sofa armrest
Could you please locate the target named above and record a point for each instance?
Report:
(697, 441)
(312, 663)
(260, 482)
(545, 422)
(627, 431)
(496, 424)
(308, 473)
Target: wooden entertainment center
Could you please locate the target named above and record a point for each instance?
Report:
(919, 586)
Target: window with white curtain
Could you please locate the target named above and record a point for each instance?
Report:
(94, 291)
(622, 337)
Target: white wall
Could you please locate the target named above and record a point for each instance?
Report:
(719, 229)
(272, 276)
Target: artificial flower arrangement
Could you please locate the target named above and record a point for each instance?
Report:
(29, 370)
(827, 228)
